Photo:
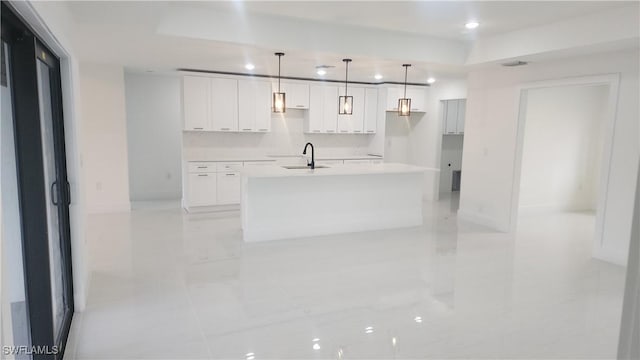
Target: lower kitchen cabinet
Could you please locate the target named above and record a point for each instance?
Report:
(228, 188)
(202, 189)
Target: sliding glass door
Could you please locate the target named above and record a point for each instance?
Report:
(35, 199)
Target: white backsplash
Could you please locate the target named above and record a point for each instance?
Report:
(286, 138)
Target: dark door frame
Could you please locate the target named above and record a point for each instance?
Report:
(25, 52)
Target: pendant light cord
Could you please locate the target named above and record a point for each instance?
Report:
(346, 75)
(406, 67)
(346, 79)
(280, 57)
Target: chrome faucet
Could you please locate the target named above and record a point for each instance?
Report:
(312, 164)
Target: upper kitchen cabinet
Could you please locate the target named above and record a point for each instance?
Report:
(354, 123)
(323, 109)
(370, 111)
(453, 113)
(416, 94)
(195, 99)
(254, 111)
(296, 94)
(224, 104)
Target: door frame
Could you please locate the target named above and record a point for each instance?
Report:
(26, 50)
(612, 81)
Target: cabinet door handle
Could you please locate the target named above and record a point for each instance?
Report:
(357, 131)
(343, 131)
(450, 132)
(316, 131)
(370, 130)
(331, 131)
(299, 105)
(203, 174)
(225, 129)
(264, 129)
(230, 174)
(203, 167)
(247, 129)
(197, 128)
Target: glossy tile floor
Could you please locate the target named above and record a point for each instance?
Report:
(168, 285)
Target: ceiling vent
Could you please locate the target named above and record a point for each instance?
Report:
(515, 63)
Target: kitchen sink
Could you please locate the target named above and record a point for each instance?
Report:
(300, 167)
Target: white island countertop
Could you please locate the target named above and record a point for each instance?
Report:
(332, 170)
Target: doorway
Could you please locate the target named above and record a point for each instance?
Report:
(563, 148)
(37, 301)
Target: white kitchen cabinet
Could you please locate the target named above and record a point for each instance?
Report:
(323, 109)
(462, 109)
(417, 96)
(354, 123)
(453, 116)
(254, 110)
(316, 110)
(296, 94)
(330, 113)
(202, 189)
(370, 111)
(224, 104)
(228, 188)
(195, 100)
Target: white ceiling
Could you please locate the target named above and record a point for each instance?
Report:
(127, 33)
(443, 19)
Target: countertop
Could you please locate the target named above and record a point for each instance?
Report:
(276, 157)
(333, 170)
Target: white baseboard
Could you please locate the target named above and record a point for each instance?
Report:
(109, 208)
(482, 219)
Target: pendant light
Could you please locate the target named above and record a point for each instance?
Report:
(279, 100)
(345, 103)
(404, 104)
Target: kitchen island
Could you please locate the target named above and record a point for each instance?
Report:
(279, 202)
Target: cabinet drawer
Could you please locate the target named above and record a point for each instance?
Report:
(201, 167)
(229, 166)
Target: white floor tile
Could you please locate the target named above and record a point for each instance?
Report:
(169, 285)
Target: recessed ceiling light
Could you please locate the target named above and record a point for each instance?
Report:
(249, 66)
(472, 25)
(321, 72)
(431, 80)
(316, 346)
(377, 76)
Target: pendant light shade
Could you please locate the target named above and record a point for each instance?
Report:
(404, 104)
(345, 103)
(279, 104)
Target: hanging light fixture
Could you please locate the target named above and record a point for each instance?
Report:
(404, 104)
(279, 101)
(345, 103)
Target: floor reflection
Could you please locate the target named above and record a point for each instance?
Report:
(174, 285)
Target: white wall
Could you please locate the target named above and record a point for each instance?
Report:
(104, 138)
(491, 134)
(563, 146)
(451, 154)
(154, 126)
(286, 138)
